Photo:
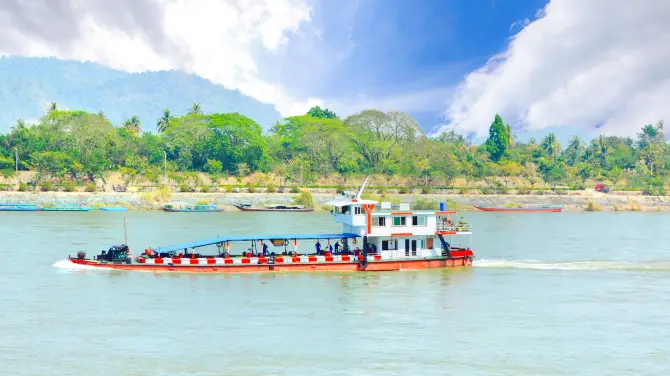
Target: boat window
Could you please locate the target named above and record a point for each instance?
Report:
(399, 221)
(358, 210)
(345, 209)
(379, 222)
(389, 245)
(419, 220)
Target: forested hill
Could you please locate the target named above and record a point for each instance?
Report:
(30, 84)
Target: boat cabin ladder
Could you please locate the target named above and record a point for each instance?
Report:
(446, 247)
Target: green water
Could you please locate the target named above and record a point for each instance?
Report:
(550, 294)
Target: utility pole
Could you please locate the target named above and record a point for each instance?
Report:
(426, 171)
(165, 168)
(16, 164)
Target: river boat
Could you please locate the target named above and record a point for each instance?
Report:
(374, 238)
(19, 207)
(274, 208)
(186, 207)
(113, 208)
(68, 208)
(523, 209)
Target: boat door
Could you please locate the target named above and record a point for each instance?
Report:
(407, 247)
(413, 247)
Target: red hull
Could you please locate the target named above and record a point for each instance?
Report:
(373, 266)
(523, 210)
(274, 210)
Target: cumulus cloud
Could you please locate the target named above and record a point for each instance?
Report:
(220, 40)
(596, 63)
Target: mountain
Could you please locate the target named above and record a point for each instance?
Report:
(30, 84)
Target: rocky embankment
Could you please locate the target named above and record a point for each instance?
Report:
(575, 201)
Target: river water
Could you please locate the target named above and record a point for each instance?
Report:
(549, 294)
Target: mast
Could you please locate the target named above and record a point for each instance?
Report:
(360, 192)
(125, 231)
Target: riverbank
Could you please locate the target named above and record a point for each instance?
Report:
(574, 201)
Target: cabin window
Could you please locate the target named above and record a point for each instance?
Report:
(389, 245)
(358, 210)
(419, 220)
(379, 222)
(399, 221)
(345, 209)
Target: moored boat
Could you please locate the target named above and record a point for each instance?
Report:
(187, 207)
(68, 208)
(113, 208)
(19, 207)
(274, 208)
(373, 238)
(530, 209)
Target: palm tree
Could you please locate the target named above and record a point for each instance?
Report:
(133, 125)
(165, 121)
(20, 124)
(511, 140)
(53, 107)
(196, 109)
(551, 145)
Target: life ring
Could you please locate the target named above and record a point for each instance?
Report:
(355, 241)
(227, 246)
(286, 242)
(271, 262)
(295, 242)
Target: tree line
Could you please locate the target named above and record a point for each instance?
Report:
(76, 145)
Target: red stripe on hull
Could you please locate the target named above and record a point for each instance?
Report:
(373, 266)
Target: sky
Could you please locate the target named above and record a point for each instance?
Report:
(566, 66)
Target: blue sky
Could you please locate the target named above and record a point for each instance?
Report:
(393, 47)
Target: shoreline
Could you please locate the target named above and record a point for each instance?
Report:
(575, 201)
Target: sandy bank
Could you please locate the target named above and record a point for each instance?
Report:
(574, 201)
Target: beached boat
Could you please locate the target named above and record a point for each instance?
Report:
(526, 209)
(374, 237)
(274, 208)
(187, 207)
(19, 207)
(68, 208)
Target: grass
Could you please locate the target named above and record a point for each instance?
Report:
(592, 206)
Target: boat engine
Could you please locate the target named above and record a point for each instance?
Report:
(81, 255)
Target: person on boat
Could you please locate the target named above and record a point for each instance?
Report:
(265, 249)
(318, 247)
(330, 248)
(337, 248)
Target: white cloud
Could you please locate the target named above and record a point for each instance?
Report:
(582, 63)
(220, 40)
(427, 100)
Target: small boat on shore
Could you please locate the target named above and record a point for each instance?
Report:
(19, 207)
(524, 209)
(187, 207)
(274, 208)
(373, 239)
(113, 208)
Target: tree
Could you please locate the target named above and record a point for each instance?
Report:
(497, 143)
(196, 109)
(551, 146)
(317, 112)
(133, 125)
(165, 122)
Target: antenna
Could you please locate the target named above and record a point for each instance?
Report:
(360, 192)
(125, 230)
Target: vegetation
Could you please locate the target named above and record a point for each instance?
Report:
(68, 146)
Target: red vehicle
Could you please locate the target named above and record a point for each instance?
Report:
(600, 187)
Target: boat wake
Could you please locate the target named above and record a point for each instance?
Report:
(67, 265)
(651, 266)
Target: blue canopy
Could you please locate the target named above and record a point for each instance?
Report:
(223, 239)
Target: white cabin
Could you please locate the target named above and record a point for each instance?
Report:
(396, 231)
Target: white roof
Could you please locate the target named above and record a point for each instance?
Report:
(341, 203)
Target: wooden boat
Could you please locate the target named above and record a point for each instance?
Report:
(274, 208)
(19, 207)
(372, 239)
(524, 209)
(186, 207)
(113, 208)
(68, 208)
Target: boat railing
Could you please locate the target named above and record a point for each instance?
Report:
(462, 227)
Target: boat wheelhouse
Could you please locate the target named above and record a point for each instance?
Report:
(375, 237)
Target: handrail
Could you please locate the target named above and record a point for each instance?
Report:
(458, 228)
